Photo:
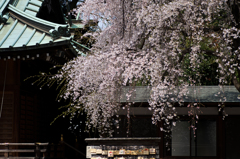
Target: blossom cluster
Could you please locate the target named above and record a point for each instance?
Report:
(151, 42)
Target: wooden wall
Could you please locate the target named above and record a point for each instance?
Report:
(26, 123)
(13, 73)
(24, 116)
(7, 117)
(9, 99)
(32, 122)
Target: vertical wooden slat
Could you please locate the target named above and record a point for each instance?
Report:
(37, 151)
(27, 118)
(6, 154)
(6, 120)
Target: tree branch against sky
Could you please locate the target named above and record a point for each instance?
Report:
(168, 45)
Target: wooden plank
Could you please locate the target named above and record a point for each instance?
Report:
(6, 116)
(43, 144)
(5, 132)
(18, 144)
(8, 101)
(43, 150)
(24, 144)
(6, 122)
(6, 128)
(8, 112)
(22, 158)
(17, 157)
(17, 150)
(7, 95)
(7, 106)
(6, 137)
(25, 158)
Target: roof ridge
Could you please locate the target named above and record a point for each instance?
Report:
(34, 18)
(54, 29)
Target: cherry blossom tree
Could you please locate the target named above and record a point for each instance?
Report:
(167, 45)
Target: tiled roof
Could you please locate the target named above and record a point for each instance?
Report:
(22, 29)
(195, 94)
(29, 6)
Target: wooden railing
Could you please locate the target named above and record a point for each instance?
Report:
(30, 150)
(62, 150)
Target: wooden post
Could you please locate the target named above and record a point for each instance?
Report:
(37, 151)
(52, 150)
(45, 153)
(55, 150)
(62, 146)
(6, 154)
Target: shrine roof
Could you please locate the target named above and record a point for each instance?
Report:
(20, 29)
(195, 94)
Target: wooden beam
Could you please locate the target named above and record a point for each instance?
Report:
(181, 111)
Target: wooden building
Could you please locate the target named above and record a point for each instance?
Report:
(29, 44)
(217, 137)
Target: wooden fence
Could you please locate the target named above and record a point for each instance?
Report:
(39, 151)
(30, 151)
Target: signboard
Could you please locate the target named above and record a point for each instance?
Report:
(88, 152)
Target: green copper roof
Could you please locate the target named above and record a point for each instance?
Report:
(195, 94)
(30, 7)
(23, 29)
(3, 5)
